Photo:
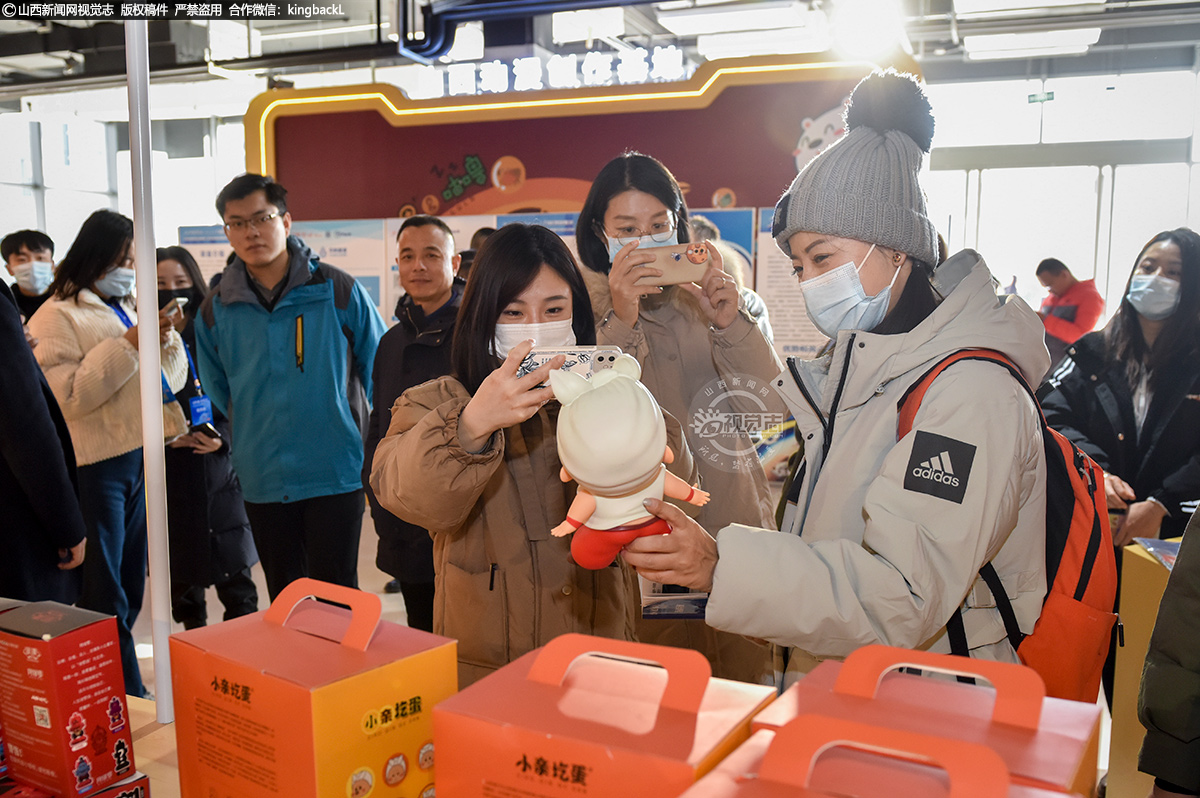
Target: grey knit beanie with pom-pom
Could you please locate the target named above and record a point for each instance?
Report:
(865, 185)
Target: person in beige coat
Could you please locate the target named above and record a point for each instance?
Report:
(473, 458)
(703, 357)
(88, 348)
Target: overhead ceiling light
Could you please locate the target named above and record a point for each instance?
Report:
(785, 41)
(702, 19)
(315, 32)
(587, 25)
(868, 29)
(992, 6)
(1030, 45)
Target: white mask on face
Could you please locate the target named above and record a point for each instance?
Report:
(645, 242)
(547, 333)
(34, 277)
(836, 300)
(1153, 296)
(117, 282)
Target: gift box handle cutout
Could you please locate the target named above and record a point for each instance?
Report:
(1020, 691)
(974, 771)
(688, 672)
(365, 608)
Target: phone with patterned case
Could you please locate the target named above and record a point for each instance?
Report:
(583, 360)
(681, 263)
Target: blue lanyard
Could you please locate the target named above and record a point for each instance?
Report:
(115, 304)
(195, 371)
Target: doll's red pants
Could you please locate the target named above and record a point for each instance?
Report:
(597, 548)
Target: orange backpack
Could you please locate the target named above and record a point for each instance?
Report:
(1071, 638)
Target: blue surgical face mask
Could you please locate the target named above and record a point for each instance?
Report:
(116, 282)
(645, 242)
(34, 277)
(1153, 296)
(836, 300)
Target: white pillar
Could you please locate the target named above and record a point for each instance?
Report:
(137, 67)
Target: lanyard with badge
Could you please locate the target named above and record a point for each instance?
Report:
(201, 405)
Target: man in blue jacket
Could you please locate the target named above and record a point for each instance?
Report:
(285, 350)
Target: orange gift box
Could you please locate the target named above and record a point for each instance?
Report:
(1045, 742)
(814, 756)
(559, 721)
(62, 699)
(272, 704)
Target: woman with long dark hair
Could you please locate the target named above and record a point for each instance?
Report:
(88, 348)
(701, 353)
(209, 532)
(473, 458)
(1126, 395)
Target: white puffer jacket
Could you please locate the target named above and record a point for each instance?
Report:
(887, 536)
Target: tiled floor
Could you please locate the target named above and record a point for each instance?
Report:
(370, 579)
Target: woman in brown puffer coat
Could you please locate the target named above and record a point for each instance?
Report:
(473, 458)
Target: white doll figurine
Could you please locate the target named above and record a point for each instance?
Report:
(612, 440)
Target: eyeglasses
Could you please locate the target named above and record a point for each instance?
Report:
(255, 222)
(658, 232)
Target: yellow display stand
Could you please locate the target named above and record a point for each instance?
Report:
(1143, 580)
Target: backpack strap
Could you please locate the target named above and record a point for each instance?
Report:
(907, 409)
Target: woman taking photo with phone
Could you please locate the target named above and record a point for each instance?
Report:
(88, 348)
(692, 340)
(473, 458)
(888, 529)
(209, 532)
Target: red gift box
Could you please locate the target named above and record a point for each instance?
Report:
(62, 699)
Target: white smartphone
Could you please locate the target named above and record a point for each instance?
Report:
(583, 360)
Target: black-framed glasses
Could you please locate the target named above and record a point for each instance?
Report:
(255, 222)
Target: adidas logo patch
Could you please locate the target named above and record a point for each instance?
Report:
(937, 468)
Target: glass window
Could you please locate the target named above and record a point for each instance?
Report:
(1147, 199)
(20, 208)
(75, 154)
(1147, 105)
(17, 164)
(1029, 214)
(66, 211)
(946, 199)
(979, 114)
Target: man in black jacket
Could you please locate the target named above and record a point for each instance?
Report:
(42, 534)
(414, 351)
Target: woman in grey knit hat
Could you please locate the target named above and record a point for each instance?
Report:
(887, 531)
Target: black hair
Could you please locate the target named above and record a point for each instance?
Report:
(503, 268)
(630, 170)
(1051, 266)
(102, 242)
(246, 184)
(32, 240)
(1179, 338)
(481, 235)
(916, 302)
(422, 220)
(189, 265)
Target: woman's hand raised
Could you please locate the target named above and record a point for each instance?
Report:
(628, 267)
(504, 399)
(717, 292)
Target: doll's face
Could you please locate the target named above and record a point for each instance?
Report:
(697, 253)
(397, 769)
(425, 756)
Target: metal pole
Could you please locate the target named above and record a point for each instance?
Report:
(137, 65)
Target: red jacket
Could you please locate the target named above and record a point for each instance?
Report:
(1075, 313)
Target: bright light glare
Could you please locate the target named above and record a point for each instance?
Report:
(867, 28)
(719, 19)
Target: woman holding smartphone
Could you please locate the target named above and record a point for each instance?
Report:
(695, 342)
(473, 458)
(209, 532)
(88, 347)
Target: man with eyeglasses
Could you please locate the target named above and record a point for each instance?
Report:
(285, 348)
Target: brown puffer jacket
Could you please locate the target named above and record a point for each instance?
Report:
(504, 585)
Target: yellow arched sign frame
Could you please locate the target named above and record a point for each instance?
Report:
(709, 80)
